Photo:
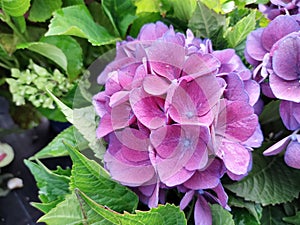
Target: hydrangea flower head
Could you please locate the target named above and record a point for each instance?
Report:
(177, 114)
(274, 52)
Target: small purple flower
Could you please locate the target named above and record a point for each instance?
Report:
(292, 145)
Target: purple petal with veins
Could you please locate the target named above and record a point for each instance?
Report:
(147, 108)
(178, 147)
(202, 212)
(277, 29)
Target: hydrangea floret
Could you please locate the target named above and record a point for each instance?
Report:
(274, 51)
(177, 114)
(280, 7)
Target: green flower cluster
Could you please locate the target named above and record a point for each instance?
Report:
(31, 85)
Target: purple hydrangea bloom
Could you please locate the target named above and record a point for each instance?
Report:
(177, 114)
(280, 7)
(274, 52)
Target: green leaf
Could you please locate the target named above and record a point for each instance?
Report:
(53, 114)
(52, 186)
(184, 10)
(72, 2)
(205, 22)
(41, 10)
(77, 21)
(93, 180)
(242, 217)
(46, 207)
(293, 219)
(20, 23)
(49, 51)
(272, 215)
(57, 147)
(220, 216)
(15, 7)
(271, 181)
(145, 6)
(72, 51)
(121, 14)
(254, 209)
(237, 34)
(270, 112)
(67, 212)
(161, 215)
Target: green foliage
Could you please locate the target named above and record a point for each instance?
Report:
(50, 51)
(184, 10)
(93, 180)
(41, 10)
(77, 21)
(53, 186)
(121, 14)
(57, 147)
(235, 35)
(271, 182)
(71, 49)
(16, 7)
(243, 217)
(220, 215)
(272, 215)
(163, 215)
(293, 219)
(204, 22)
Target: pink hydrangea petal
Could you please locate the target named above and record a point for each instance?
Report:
(255, 141)
(140, 75)
(222, 196)
(289, 113)
(254, 47)
(286, 57)
(127, 174)
(197, 65)
(292, 154)
(112, 83)
(126, 74)
(187, 198)
(118, 98)
(175, 145)
(178, 178)
(236, 121)
(235, 90)
(206, 179)
(154, 198)
(163, 61)
(202, 212)
(105, 126)
(278, 147)
(113, 66)
(122, 116)
(285, 90)
(152, 31)
(253, 90)
(147, 108)
(156, 85)
(235, 157)
(100, 102)
(193, 100)
(277, 29)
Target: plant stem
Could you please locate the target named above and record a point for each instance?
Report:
(4, 66)
(6, 18)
